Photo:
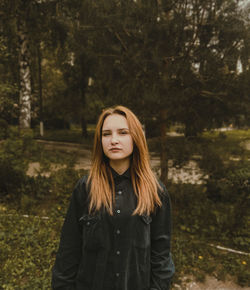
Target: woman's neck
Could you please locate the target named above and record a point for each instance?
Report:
(120, 166)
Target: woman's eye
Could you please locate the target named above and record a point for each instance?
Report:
(105, 134)
(124, 132)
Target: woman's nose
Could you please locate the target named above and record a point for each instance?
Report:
(114, 139)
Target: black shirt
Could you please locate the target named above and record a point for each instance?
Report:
(125, 203)
(119, 252)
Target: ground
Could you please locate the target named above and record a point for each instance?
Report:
(210, 284)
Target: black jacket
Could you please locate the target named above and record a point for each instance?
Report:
(119, 252)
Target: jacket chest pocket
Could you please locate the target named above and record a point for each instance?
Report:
(91, 231)
(142, 234)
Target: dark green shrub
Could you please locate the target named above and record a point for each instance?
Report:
(56, 123)
(231, 184)
(11, 179)
(4, 129)
(28, 246)
(221, 220)
(15, 155)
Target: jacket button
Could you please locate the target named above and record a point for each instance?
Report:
(119, 192)
(118, 232)
(118, 253)
(118, 211)
(88, 223)
(117, 274)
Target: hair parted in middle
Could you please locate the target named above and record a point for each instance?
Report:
(100, 180)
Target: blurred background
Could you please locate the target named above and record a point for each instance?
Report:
(182, 67)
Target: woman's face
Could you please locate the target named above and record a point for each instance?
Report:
(117, 142)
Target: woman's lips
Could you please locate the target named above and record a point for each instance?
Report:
(115, 149)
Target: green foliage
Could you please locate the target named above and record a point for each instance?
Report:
(216, 211)
(196, 257)
(73, 135)
(220, 222)
(202, 215)
(219, 207)
(200, 222)
(8, 103)
(62, 184)
(4, 129)
(31, 243)
(15, 153)
(124, 48)
(224, 185)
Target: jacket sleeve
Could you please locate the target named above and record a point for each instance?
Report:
(162, 266)
(69, 253)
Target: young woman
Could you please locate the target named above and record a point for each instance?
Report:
(116, 234)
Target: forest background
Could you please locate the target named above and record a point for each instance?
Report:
(181, 66)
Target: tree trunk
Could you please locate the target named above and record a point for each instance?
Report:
(39, 59)
(190, 129)
(163, 155)
(25, 78)
(83, 112)
(84, 126)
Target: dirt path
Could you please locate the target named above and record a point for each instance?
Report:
(190, 173)
(246, 144)
(210, 283)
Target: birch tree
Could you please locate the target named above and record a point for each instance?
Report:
(24, 65)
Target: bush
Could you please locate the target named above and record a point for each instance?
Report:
(56, 123)
(15, 153)
(220, 222)
(4, 129)
(28, 246)
(12, 179)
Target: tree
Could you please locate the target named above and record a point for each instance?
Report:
(27, 27)
(9, 77)
(170, 61)
(23, 10)
(175, 61)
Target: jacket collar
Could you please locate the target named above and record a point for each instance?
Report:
(116, 175)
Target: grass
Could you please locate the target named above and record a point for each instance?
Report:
(73, 135)
(29, 244)
(28, 247)
(232, 144)
(195, 257)
(231, 134)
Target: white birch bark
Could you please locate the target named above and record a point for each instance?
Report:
(25, 78)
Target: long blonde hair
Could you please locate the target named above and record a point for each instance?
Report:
(100, 180)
